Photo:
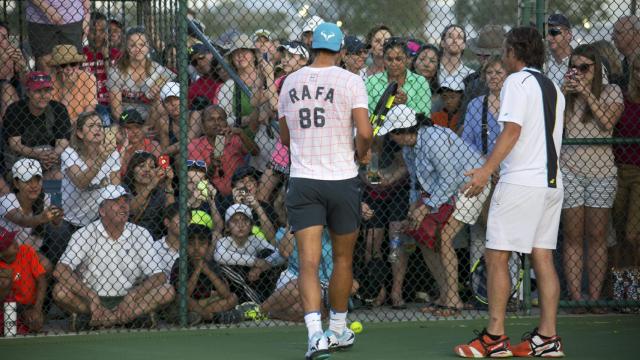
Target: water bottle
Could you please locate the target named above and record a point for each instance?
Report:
(10, 317)
(395, 245)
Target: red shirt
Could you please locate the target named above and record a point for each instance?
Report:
(628, 127)
(442, 118)
(232, 157)
(204, 86)
(95, 65)
(26, 269)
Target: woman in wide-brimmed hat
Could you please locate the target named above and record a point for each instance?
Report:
(72, 86)
(254, 113)
(255, 72)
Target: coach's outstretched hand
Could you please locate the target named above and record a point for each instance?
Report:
(479, 179)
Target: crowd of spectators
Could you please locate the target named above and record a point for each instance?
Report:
(102, 121)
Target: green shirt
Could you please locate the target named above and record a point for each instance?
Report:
(415, 86)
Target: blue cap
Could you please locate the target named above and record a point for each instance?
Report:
(327, 36)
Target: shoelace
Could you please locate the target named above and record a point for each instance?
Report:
(528, 335)
(479, 335)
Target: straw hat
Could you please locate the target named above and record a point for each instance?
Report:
(489, 40)
(66, 54)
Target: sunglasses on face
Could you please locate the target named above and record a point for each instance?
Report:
(554, 32)
(395, 40)
(582, 68)
(197, 163)
(64, 66)
(40, 78)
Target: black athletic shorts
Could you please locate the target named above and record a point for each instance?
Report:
(334, 203)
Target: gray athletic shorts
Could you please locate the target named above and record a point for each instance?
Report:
(334, 203)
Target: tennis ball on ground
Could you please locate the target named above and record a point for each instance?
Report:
(356, 327)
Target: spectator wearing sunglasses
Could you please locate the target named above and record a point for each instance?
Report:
(207, 82)
(37, 127)
(559, 44)
(51, 23)
(72, 86)
(589, 171)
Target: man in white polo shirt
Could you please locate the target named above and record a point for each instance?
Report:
(108, 270)
(525, 208)
(318, 108)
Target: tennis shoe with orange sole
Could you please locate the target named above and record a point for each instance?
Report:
(533, 345)
(485, 347)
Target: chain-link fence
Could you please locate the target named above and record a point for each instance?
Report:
(145, 180)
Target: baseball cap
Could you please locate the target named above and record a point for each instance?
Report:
(353, 45)
(243, 172)
(131, 116)
(37, 80)
(558, 20)
(200, 217)
(197, 48)
(25, 169)
(170, 89)
(295, 47)
(6, 238)
(327, 36)
(399, 117)
(261, 33)
(112, 192)
(237, 208)
(452, 83)
(312, 23)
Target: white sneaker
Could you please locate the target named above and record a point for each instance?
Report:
(318, 347)
(342, 341)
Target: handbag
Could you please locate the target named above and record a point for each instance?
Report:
(430, 230)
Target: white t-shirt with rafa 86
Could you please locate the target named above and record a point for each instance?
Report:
(317, 104)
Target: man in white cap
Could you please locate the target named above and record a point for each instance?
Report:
(318, 108)
(168, 122)
(108, 271)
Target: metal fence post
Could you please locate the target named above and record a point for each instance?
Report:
(181, 21)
